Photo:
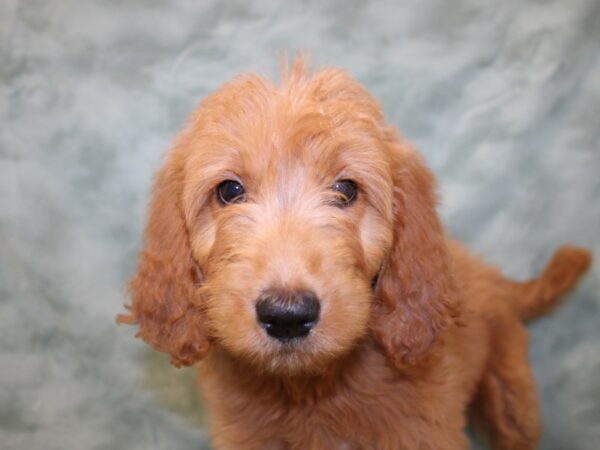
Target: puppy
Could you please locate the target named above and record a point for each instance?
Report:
(293, 247)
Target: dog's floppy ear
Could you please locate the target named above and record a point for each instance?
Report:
(164, 292)
(415, 285)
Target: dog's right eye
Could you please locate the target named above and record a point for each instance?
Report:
(347, 192)
(230, 191)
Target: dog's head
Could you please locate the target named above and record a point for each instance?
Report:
(287, 223)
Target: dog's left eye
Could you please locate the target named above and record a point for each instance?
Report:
(230, 191)
(347, 192)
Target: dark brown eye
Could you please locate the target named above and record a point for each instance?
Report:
(347, 192)
(230, 191)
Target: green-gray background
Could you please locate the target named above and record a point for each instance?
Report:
(503, 98)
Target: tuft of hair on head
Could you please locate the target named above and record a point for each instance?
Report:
(296, 71)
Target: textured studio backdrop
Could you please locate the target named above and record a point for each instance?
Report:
(502, 98)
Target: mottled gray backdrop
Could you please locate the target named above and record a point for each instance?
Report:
(503, 98)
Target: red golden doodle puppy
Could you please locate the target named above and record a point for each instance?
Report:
(293, 247)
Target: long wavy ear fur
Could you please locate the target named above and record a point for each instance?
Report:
(416, 283)
(164, 292)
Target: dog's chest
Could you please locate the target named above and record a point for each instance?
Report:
(387, 414)
(366, 406)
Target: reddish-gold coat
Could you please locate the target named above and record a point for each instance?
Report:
(386, 368)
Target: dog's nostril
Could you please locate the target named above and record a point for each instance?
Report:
(287, 315)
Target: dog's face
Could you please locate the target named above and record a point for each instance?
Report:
(288, 202)
(273, 218)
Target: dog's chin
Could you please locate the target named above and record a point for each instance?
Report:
(291, 361)
(295, 357)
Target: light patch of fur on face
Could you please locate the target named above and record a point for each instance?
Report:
(288, 150)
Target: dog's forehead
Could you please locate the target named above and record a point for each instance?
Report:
(255, 127)
(290, 142)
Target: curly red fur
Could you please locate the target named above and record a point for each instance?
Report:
(416, 280)
(165, 299)
(394, 367)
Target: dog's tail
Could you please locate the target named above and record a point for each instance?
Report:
(541, 295)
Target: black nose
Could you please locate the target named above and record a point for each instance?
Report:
(287, 315)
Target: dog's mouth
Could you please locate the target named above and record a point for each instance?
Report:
(296, 356)
(292, 346)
